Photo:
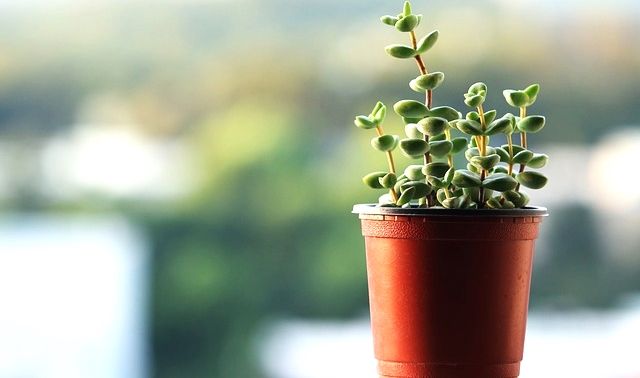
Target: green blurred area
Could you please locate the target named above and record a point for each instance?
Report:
(262, 96)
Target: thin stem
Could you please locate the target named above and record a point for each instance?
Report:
(447, 134)
(510, 142)
(392, 166)
(428, 102)
(483, 151)
(523, 141)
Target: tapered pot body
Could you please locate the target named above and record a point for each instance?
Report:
(449, 290)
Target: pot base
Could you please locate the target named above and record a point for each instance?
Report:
(392, 369)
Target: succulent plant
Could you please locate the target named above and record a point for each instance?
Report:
(434, 134)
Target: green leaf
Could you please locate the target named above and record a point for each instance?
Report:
(380, 112)
(477, 88)
(465, 179)
(430, 81)
(532, 92)
(470, 127)
(411, 129)
(522, 157)
(538, 161)
(421, 188)
(406, 9)
(414, 172)
(531, 124)
(472, 192)
(515, 98)
(406, 196)
(516, 148)
(440, 148)
(441, 195)
(437, 137)
(459, 144)
(490, 116)
(504, 155)
(499, 182)
(471, 152)
(473, 116)
(372, 179)
(365, 122)
(437, 169)
(448, 177)
(436, 182)
(531, 179)
(388, 180)
(446, 112)
(485, 162)
(494, 203)
(411, 109)
(474, 100)
(413, 85)
(473, 168)
(401, 180)
(400, 51)
(433, 125)
(452, 203)
(408, 120)
(518, 199)
(427, 42)
(407, 23)
(389, 20)
(385, 142)
(414, 147)
(500, 125)
(499, 169)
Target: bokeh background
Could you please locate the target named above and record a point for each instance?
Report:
(176, 179)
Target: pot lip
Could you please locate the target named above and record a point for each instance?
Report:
(373, 209)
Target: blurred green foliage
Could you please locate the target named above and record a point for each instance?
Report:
(263, 95)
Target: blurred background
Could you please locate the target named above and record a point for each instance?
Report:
(176, 179)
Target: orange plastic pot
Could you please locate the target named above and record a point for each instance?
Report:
(449, 289)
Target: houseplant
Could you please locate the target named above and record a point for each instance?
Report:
(449, 249)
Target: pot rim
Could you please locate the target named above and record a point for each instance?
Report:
(374, 209)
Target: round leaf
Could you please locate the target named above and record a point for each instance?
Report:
(470, 127)
(533, 180)
(372, 180)
(477, 88)
(490, 116)
(504, 155)
(421, 188)
(414, 172)
(452, 203)
(407, 23)
(501, 125)
(474, 100)
(413, 85)
(389, 20)
(414, 147)
(437, 169)
(531, 124)
(523, 157)
(440, 148)
(365, 122)
(538, 161)
(465, 179)
(499, 182)
(411, 129)
(427, 42)
(385, 142)
(400, 51)
(485, 162)
(388, 180)
(532, 92)
(446, 112)
(406, 196)
(433, 125)
(379, 113)
(406, 9)
(430, 81)
(515, 98)
(411, 109)
(459, 144)
(518, 199)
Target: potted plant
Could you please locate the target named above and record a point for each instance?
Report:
(449, 249)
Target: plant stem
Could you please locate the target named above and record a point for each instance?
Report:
(523, 141)
(428, 102)
(392, 166)
(510, 141)
(483, 151)
(447, 133)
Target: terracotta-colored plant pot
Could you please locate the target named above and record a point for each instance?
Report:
(449, 289)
